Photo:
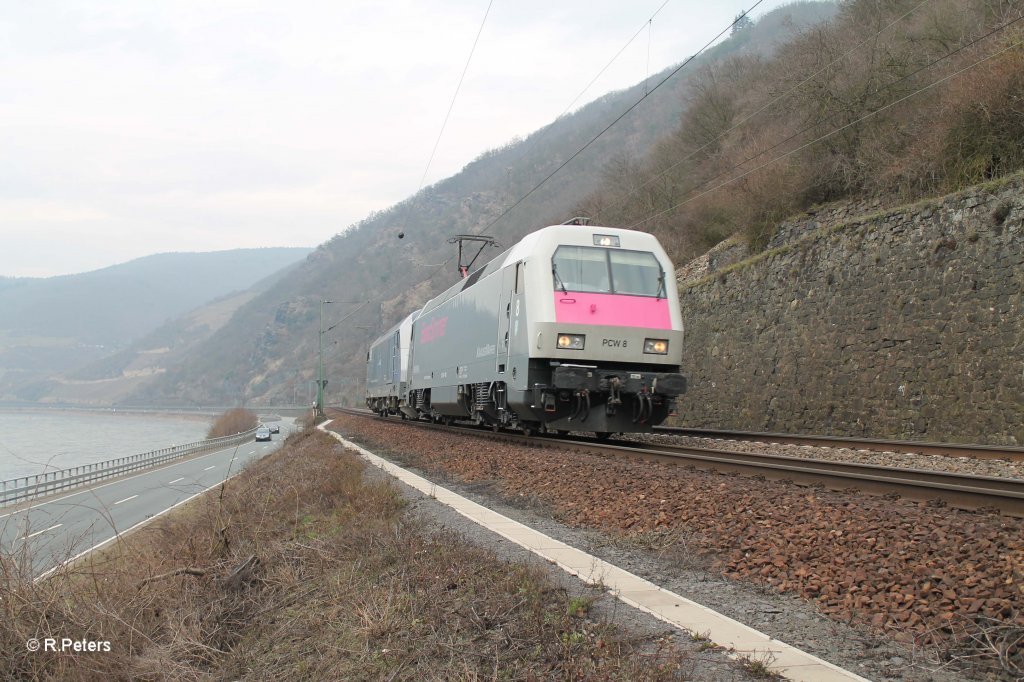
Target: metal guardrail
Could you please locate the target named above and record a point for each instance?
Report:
(28, 487)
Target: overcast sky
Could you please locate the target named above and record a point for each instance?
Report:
(135, 127)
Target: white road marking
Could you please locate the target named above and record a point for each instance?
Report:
(125, 532)
(127, 498)
(40, 532)
(208, 468)
(251, 452)
(176, 480)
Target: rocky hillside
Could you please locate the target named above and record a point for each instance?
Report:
(267, 353)
(889, 101)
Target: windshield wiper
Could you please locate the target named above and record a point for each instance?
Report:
(661, 286)
(554, 271)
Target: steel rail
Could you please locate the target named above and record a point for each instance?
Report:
(1014, 454)
(958, 490)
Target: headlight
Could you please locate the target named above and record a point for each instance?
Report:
(656, 346)
(571, 341)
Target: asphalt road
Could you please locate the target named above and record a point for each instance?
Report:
(53, 531)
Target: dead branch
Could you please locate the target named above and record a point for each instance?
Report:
(242, 573)
(186, 570)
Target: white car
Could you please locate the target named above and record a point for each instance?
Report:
(262, 433)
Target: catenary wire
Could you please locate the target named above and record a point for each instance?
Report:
(455, 95)
(487, 227)
(543, 133)
(437, 267)
(594, 139)
(533, 143)
(640, 222)
(593, 80)
(447, 115)
(618, 54)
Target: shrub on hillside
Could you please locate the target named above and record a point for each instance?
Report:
(986, 137)
(232, 422)
(892, 101)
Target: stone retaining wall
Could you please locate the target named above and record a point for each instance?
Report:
(908, 323)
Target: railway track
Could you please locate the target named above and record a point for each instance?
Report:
(957, 490)
(1013, 454)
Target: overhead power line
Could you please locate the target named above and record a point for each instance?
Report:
(444, 124)
(675, 71)
(455, 95)
(618, 54)
(593, 80)
(536, 139)
(621, 116)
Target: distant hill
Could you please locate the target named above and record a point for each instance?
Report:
(118, 304)
(55, 325)
(113, 378)
(267, 352)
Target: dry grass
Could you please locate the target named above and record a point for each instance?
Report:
(995, 648)
(232, 422)
(301, 568)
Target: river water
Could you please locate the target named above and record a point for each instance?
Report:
(32, 442)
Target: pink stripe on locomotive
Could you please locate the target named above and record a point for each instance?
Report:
(613, 310)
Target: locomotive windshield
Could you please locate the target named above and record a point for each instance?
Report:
(589, 269)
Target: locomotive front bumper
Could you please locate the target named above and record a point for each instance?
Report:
(596, 379)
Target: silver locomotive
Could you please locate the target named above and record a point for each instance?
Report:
(575, 328)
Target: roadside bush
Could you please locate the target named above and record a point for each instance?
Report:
(232, 422)
(307, 421)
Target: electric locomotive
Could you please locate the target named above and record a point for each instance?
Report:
(387, 368)
(575, 328)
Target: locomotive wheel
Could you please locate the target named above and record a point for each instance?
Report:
(529, 431)
(496, 427)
